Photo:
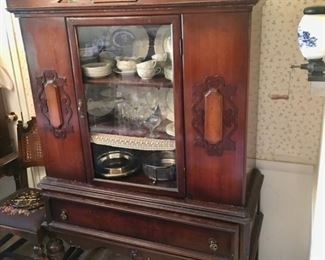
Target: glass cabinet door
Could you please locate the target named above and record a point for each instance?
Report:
(128, 78)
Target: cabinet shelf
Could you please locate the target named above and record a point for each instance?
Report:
(134, 80)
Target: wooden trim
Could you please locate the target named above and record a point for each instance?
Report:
(37, 7)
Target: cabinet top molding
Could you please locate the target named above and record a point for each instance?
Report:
(39, 6)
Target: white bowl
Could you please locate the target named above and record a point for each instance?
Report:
(97, 69)
(127, 63)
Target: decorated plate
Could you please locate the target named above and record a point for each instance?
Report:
(127, 41)
(163, 40)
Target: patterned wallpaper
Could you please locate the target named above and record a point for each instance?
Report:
(288, 130)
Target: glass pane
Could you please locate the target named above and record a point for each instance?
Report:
(128, 82)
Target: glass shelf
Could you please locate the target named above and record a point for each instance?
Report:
(133, 80)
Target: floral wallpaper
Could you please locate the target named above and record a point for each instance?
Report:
(289, 129)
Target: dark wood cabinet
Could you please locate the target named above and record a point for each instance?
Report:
(142, 112)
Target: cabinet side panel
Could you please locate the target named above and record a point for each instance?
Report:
(48, 60)
(216, 56)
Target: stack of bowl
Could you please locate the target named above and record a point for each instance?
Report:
(97, 69)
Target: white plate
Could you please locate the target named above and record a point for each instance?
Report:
(170, 129)
(163, 42)
(127, 41)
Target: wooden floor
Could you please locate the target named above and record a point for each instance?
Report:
(15, 248)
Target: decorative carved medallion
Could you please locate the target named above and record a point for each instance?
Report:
(54, 103)
(214, 115)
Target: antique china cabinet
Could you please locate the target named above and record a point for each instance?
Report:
(142, 108)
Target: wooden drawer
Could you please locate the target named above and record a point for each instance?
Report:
(211, 240)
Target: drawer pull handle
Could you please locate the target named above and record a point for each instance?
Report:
(64, 215)
(136, 255)
(213, 245)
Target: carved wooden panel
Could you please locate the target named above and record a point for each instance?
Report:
(214, 115)
(54, 103)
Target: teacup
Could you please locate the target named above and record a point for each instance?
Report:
(150, 64)
(161, 58)
(168, 72)
(148, 73)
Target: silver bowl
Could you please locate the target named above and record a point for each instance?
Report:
(116, 164)
(160, 166)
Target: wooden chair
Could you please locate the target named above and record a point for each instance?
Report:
(21, 222)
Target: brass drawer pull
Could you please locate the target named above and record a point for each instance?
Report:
(213, 245)
(136, 255)
(64, 215)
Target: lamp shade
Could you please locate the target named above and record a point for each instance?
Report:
(311, 33)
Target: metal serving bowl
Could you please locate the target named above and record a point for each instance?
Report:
(115, 164)
(160, 166)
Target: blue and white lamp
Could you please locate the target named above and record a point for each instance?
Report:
(311, 39)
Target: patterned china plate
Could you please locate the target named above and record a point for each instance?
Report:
(127, 41)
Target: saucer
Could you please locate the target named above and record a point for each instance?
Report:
(125, 72)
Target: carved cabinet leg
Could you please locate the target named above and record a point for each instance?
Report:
(55, 249)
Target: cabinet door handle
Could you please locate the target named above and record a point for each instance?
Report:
(80, 108)
(55, 103)
(214, 115)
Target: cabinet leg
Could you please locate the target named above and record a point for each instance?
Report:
(55, 249)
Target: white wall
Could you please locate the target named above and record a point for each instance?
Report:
(286, 202)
